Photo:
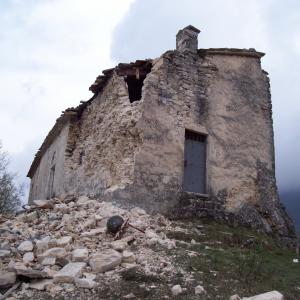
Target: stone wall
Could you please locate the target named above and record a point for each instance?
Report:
(170, 103)
(42, 185)
(240, 127)
(225, 95)
(102, 142)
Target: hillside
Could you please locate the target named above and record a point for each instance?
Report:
(291, 200)
(60, 249)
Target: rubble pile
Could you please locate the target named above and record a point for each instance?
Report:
(62, 244)
(80, 248)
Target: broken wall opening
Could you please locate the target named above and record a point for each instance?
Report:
(134, 86)
(134, 75)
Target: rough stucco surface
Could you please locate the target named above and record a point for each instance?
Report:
(41, 185)
(240, 127)
(134, 152)
(228, 98)
(103, 143)
(171, 102)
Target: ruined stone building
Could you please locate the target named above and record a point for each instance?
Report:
(189, 134)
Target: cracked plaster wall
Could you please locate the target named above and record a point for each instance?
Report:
(41, 184)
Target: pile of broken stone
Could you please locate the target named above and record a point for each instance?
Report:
(60, 245)
(65, 241)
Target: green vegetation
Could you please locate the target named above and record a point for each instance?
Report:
(236, 261)
(224, 260)
(10, 193)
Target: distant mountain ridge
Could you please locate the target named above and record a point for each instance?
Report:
(291, 200)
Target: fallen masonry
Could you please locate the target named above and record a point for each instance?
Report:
(61, 259)
(65, 242)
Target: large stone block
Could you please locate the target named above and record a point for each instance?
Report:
(69, 272)
(7, 279)
(274, 295)
(105, 260)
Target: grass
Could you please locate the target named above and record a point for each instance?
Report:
(237, 261)
(138, 275)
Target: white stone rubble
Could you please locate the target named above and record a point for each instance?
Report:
(85, 283)
(235, 297)
(48, 261)
(43, 203)
(274, 295)
(69, 272)
(128, 257)
(63, 243)
(105, 260)
(25, 246)
(80, 255)
(199, 289)
(4, 253)
(55, 252)
(41, 284)
(7, 279)
(28, 257)
(176, 290)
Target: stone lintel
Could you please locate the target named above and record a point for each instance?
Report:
(196, 128)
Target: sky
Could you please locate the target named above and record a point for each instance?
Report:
(51, 51)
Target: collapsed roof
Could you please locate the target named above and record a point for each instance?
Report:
(137, 68)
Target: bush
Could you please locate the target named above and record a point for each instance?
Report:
(10, 193)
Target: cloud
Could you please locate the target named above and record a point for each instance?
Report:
(149, 28)
(51, 51)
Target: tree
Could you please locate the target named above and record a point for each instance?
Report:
(10, 193)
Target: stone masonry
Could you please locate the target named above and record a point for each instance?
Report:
(127, 143)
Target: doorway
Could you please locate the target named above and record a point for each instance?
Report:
(194, 163)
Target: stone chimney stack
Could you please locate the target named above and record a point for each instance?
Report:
(187, 39)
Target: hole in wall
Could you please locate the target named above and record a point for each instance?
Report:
(134, 75)
(134, 87)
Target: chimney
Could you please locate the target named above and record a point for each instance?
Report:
(186, 39)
